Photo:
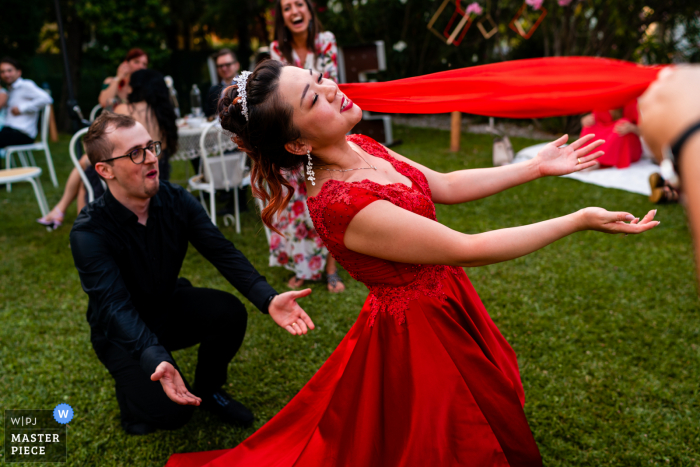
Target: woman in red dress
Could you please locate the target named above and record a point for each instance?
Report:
(423, 377)
(619, 129)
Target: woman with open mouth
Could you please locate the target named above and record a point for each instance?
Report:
(424, 377)
(296, 245)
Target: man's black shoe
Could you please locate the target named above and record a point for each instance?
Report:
(228, 409)
(138, 428)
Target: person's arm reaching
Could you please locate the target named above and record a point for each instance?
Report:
(115, 315)
(468, 185)
(236, 268)
(411, 238)
(39, 99)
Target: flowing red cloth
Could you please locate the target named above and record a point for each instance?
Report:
(620, 151)
(423, 378)
(532, 88)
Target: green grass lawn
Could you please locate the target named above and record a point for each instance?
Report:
(606, 328)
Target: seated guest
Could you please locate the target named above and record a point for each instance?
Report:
(621, 134)
(149, 103)
(226, 68)
(114, 89)
(128, 247)
(3, 107)
(24, 102)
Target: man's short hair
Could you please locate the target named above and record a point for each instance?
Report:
(97, 143)
(223, 52)
(11, 61)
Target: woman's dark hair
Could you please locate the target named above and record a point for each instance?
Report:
(284, 37)
(135, 53)
(264, 135)
(149, 86)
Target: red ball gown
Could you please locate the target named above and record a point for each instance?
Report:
(423, 378)
(620, 151)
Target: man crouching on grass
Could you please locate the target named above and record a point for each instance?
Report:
(128, 247)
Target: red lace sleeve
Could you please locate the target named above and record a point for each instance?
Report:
(334, 208)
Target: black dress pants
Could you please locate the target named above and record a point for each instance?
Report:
(214, 319)
(11, 137)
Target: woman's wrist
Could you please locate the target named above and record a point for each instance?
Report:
(579, 221)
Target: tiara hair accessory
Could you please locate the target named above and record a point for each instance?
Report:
(241, 83)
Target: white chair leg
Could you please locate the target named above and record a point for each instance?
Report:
(204, 203)
(49, 162)
(39, 192)
(31, 159)
(212, 200)
(8, 166)
(235, 210)
(23, 158)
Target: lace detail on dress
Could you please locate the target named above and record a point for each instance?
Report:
(392, 285)
(395, 300)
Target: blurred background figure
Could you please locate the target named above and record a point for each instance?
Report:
(3, 107)
(670, 125)
(114, 89)
(301, 41)
(149, 103)
(619, 129)
(24, 101)
(227, 67)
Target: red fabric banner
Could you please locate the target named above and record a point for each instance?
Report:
(532, 88)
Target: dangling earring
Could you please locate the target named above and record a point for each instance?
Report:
(311, 176)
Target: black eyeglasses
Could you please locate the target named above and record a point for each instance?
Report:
(138, 155)
(222, 65)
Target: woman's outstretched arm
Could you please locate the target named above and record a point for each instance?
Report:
(386, 231)
(467, 185)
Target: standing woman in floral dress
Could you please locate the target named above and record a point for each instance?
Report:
(302, 43)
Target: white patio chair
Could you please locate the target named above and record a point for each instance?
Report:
(218, 171)
(31, 175)
(24, 151)
(93, 113)
(76, 162)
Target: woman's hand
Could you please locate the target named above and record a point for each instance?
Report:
(615, 222)
(123, 71)
(553, 160)
(287, 313)
(623, 127)
(588, 120)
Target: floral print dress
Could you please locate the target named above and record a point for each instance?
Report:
(324, 59)
(300, 250)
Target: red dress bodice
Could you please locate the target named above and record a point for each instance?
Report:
(392, 285)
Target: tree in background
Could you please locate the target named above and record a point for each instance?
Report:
(652, 31)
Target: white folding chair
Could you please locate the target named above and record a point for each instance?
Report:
(76, 162)
(24, 151)
(31, 175)
(93, 113)
(218, 171)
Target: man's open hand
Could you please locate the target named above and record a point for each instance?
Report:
(173, 385)
(287, 313)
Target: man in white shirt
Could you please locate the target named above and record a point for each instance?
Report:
(25, 101)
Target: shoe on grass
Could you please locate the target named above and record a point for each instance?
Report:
(227, 408)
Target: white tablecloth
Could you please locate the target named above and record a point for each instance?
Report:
(188, 141)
